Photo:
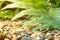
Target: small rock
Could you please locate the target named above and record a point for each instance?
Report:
(12, 32)
(5, 32)
(57, 36)
(48, 34)
(20, 30)
(50, 37)
(37, 34)
(26, 38)
(55, 31)
(6, 39)
(46, 39)
(39, 38)
(9, 36)
(14, 36)
(34, 35)
(17, 37)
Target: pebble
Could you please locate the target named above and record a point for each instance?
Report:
(37, 34)
(9, 36)
(1, 24)
(57, 36)
(17, 37)
(46, 39)
(5, 32)
(39, 38)
(14, 36)
(20, 30)
(48, 34)
(6, 39)
(12, 32)
(55, 31)
(26, 38)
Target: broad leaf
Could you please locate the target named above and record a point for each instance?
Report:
(33, 12)
(18, 5)
(42, 19)
(51, 19)
(55, 14)
(39, 4)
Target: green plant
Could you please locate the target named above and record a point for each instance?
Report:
(46, 12)
(6, 14)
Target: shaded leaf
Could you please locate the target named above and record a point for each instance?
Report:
(55, 14)
(7, 14)
(43, 27)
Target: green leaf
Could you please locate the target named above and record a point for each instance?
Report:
(7, 14)
(18, 5)
(51, 18)
(19, 0)
(20, 14)
(55, 14)
(34, 12)
(42, 19)
(43, 27)
(31, 22)
(39, 4)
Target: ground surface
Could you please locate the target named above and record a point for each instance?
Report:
(12, 31)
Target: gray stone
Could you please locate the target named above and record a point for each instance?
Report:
(26, 38)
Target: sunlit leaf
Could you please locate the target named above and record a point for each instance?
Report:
(34, 12)
(17, 5)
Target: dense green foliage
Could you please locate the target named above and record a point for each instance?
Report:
(46, 12)
(6, 14)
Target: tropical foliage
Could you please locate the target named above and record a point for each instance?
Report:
(46, 12)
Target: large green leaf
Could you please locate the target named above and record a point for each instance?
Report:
(33, 12)
(51, 19)
(55, 14)
(39, 4)
(18, 5)
(42, 19)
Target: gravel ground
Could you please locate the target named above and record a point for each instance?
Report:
(12, 31)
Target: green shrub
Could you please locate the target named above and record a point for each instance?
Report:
(46, 12)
